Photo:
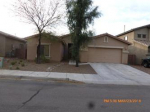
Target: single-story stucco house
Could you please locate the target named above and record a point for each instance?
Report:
(50, 49)
(103, 48)
(9, 44)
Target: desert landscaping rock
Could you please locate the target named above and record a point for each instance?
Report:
(62, 67)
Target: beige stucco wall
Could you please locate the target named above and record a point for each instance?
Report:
(56, 49)
(6, 44)
(129, 35)
(119, 47)
(142, 31)
(112, 45)
(11, 42)
(2, 45)
(31, 48)
(125, 57)
(139, 50)
(136, 48)
(83, 56)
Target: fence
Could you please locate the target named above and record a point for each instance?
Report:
(21, 53)
(131, 59)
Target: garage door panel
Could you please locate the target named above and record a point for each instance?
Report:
(104, 55)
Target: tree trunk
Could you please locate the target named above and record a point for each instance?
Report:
(77, 63)
(77, 56)
(39, 49)
(77, 46)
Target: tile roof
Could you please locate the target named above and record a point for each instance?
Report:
(11, 36)
(144, 42)
(109, 35)
(145, 26)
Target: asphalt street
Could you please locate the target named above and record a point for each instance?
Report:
(38, 96)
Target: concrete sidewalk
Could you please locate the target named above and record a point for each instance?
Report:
(50, 75)
(86, 78)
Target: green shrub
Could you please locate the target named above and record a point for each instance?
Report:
(17, 68)
(20, 61)
(22, 64)
(13, 63)
(43, 59)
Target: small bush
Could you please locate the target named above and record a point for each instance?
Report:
(13, 63)
(17, 68)
(20, 61)
(22, 64)
(43, 59)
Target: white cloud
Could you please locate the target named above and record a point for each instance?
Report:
(116, 14)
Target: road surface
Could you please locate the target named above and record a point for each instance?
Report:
(38, 96)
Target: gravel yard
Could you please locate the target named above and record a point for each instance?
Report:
(64, 67)
(139, 67)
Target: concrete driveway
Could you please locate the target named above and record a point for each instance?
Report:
(120, 74)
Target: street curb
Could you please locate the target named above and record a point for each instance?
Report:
(37, 78)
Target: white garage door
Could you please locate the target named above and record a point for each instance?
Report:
(104, 55)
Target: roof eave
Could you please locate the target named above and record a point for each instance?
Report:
(106, 34)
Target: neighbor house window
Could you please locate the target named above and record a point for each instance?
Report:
(144, 35)
(126, 38)
(139, 35)
(105, 39)
(45, 50)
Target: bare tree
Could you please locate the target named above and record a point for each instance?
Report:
(42, 14)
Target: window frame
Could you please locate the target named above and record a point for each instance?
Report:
(126, 38)
(143, 35)
(49, 49)
(138, 35)
(105, 39)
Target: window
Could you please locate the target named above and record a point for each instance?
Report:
(45, 50)
(105, 39)
(126, 38)
(144, 35)
(139, 35)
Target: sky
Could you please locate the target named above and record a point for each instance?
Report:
(115, 14)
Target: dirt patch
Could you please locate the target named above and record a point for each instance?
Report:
(64, 67)
(139, 67)
(26, 65)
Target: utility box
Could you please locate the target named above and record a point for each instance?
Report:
(1, 62)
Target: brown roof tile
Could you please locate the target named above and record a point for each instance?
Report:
(106, 34)
(144, 42)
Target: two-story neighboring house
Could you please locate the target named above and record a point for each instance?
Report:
(140, 39)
